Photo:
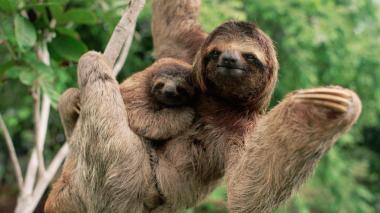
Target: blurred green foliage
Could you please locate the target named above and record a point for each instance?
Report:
(319, 42)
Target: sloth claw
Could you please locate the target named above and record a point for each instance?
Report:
(337, 91)
(336, 99)
(77, 109)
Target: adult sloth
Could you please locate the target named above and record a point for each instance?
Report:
(263, 156)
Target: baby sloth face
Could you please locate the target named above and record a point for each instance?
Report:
(172, 88)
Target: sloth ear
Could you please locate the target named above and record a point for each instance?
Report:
(199, 70)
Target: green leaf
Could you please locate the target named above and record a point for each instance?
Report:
(7, 28)
(27, 77)
(26, 35)
(49, 88)
(4, 67)
(79, 16)
(68, 47)
(66, 31)
(8, 6)
(14, 71)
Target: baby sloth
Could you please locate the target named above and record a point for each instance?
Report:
(158, 101)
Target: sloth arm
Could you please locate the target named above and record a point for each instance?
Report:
(176, 29)
(286, 144)
(101, 139)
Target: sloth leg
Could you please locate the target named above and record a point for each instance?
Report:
(176, 29)
(68, 108)
(61, 199)
(286, 144)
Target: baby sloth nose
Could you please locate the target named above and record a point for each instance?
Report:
(170, 91)
(229, 60)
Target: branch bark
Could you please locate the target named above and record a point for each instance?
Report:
(123, 31)
(124, 54)
(36, 90)
(12, 153)
(44, 181)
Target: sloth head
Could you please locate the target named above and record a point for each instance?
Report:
(237, 63)
(171, 86)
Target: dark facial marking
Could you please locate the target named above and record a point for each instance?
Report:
(252, 59)
(214, 54)
(158, 85)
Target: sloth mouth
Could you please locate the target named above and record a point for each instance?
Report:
(230, 71)
(230, 67)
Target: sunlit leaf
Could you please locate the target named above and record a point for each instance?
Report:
(26, 35)
(28, 76)
(8, 6)
(79, 16)
(68, 47)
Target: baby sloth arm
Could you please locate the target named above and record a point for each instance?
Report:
(158, 99)
(286, 144)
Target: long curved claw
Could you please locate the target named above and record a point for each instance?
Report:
(77, 108)
(337, 91)
(335, 99)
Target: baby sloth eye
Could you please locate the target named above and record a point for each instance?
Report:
(158, 86)
(214, 54)
(182, 91)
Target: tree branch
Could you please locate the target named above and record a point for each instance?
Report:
(12, 153)
(124, 54)
(30, 177)
(44, 181)
(123, 31)
(37, 127)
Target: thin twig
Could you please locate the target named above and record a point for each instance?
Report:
(44, 113)
(30, 177)
(12, 153)
(37, 127)
(123, 31)
(124, 54)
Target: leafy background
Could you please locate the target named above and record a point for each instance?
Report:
(319, 42)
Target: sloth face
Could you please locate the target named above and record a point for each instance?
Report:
(232, 64)
(237, 62)
(172, 90)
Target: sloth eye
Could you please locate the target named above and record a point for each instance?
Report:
(253, 60)
(214, 54)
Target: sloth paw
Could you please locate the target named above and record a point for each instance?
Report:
(342, 102)
(334, 98)
(93, 66)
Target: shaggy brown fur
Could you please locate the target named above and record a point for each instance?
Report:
(264, 156)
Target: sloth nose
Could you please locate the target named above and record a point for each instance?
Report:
(229, 59)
